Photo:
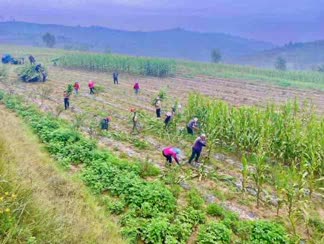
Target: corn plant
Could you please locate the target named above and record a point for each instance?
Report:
(109, 63)
(244, 172)
(260, 174)
(289, 136)
(293, 194)
(279, 179)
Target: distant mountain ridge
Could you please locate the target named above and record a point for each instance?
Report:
(174, 43)
(306, 55)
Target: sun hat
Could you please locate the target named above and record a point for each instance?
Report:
(177, 150)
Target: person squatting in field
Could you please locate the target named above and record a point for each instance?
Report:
(76, 87)
(158, 107)
(66, 100)
(115, 77)
(91, 86)
(136, 88)
(197, 147)
(105, 123)
(135, 121)
(171, 152)
(192, 126)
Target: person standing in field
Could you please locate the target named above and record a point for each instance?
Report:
(66, 100)
(168, 119)
(158, 107)
(105, 123)
(91, 86)
(76, 88)
(32, 59)
(136, 88)
(115, 77)
(192, 126)
(135, 121)
(197, 147)
(171, 153)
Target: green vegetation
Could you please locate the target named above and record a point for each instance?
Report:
(108, 62)
(38, 201)
(3, 73)
(267, 232)
(149, 210)
(274, 129)
(29, 73)
(297, 79)
(214, 233)
(270, 139)
(20, 220)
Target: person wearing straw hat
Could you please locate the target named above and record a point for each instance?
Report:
(171, 153)
(197, 147)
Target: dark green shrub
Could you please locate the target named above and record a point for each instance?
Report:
(243, 229)
(268, 232)
(215, 210)
(116, 207)
(195, 200)
(214, 233)
(156, 230)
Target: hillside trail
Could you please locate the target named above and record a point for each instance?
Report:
(62, 198)
(117, 99)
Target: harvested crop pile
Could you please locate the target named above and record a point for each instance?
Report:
(32, 73)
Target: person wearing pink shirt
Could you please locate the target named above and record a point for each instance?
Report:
(171, 153)
(91, 86)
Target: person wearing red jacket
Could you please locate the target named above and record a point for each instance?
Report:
(171, 152)
(91, 86)
(136, 88)
(76, 88)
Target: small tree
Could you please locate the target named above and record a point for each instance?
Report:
(49, 40)
(216, 56)
(281, 64)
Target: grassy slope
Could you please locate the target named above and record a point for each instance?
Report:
(59, 208)
(194, 70)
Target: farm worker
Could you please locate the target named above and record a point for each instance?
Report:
(66, 100)
(134, 120)
(192, 126)
(91, 86)
(176, 108)
(158, 107)
(197, 147)
(171, 152)
(168, 119)
(31, 59)
(136, 88)
(76, 88)
(105, 123)
(115, 77)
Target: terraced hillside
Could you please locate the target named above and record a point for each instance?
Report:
(217, 186)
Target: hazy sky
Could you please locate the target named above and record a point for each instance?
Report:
(270, 20)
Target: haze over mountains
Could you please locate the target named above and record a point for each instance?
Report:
(173, 43)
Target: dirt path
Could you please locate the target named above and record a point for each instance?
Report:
(80, 218)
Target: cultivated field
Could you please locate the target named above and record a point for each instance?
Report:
(220, 181)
